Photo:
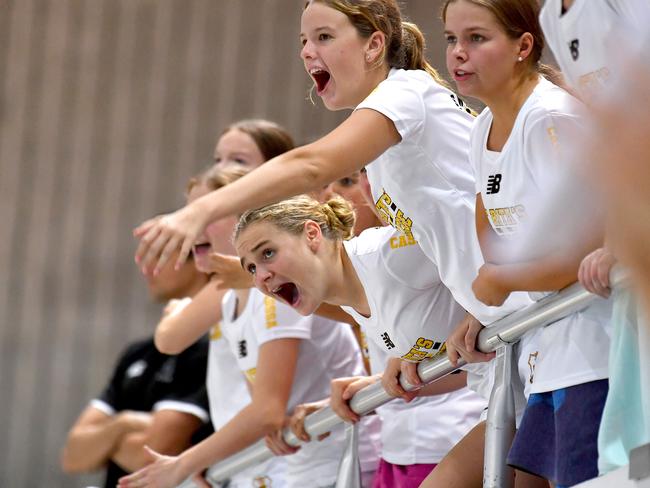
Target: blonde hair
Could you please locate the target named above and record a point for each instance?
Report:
(217, 176)
(335, 217)
(405, 44)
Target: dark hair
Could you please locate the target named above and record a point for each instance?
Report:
(405, 44)
(516, 17)
(271, 138)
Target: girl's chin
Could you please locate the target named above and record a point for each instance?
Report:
(202, 264)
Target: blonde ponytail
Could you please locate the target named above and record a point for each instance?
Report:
(340, 217)
(335, 217)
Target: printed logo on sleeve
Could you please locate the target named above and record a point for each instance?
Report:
(532, 362)
(386, 338)
(552, 135)
(574, 48)
(250, 374)
(215, 332)
(262, 482)
(591, 84)
(461, 104)
(270, 312)
(424, 349)
(394, 216)
(242, 349)
(364, 344)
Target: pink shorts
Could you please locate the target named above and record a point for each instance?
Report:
(391, 475)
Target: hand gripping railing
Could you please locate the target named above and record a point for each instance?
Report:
(501, 333)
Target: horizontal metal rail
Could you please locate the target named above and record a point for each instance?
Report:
(506, 330)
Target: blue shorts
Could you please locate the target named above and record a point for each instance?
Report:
(558, 435)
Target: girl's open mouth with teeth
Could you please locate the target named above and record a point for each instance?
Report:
(461, 75)
(321, 78)
(202, 248)
(287, 292)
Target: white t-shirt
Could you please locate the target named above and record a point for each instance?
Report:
(424, 430)
(228, 394)
(581, 38)
(328, 350)
(572, 350)
(411, 311)
(577, 39)
(424, 185)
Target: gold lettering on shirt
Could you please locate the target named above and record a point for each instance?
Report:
(270, 313)
(592, 83)
(250, 374)
(424, 349)
(394, 216)
(402, 241)
(506, 220)
(552, 135)
(262, 482)
(215, 332)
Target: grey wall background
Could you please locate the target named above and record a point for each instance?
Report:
(106, 108)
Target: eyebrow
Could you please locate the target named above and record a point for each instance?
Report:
(317, 29)
(254, 249)
(474, 28)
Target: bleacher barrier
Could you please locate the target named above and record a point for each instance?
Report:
(500, 428)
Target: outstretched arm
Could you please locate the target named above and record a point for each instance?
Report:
(360, 139)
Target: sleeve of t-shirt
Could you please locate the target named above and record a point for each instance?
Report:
(280, 321)
(399, 99)
(548, 19)
(187, 392)
(110, 399)
(476, 147)
(550, 139)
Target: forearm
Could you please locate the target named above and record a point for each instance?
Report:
(449, 383)
(130, 454)
(178, 331)
(248, 426)
(90, 447)
(298, 171)
(546, 274)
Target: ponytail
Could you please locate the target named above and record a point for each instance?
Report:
(556, 77)
(413, 49)
(340, 217)
(335, 217)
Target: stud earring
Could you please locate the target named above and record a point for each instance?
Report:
(520, 59)
(367, 57)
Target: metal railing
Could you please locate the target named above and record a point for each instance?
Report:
(499, 337)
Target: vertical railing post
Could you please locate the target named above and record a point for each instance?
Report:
(500, 428)
(349, 473)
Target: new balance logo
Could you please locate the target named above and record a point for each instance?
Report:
(387, 341)
(494, 184)
(573, 47)
(243, 352)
